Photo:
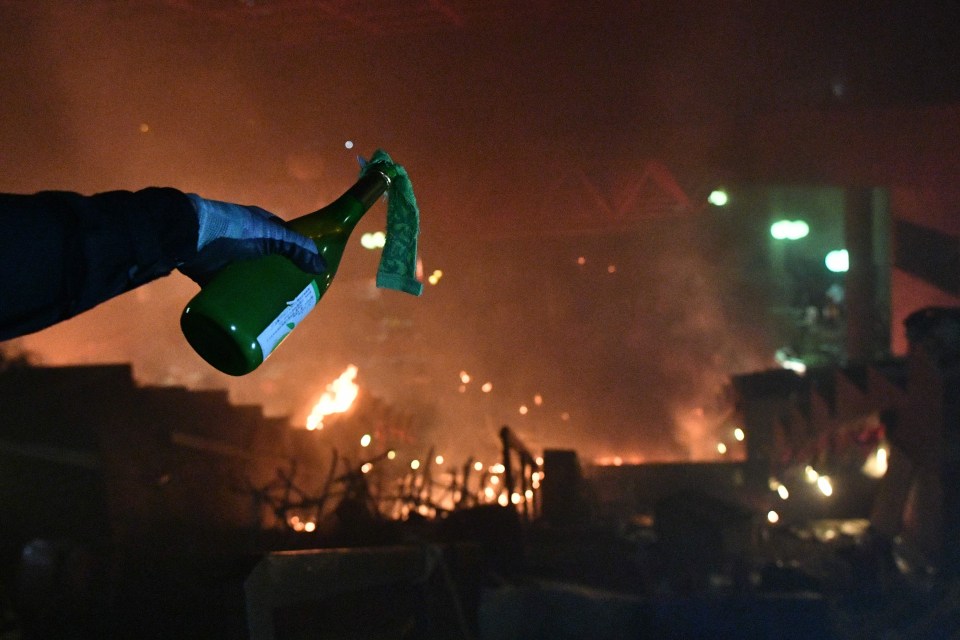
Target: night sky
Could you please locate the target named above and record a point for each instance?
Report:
(491, 106)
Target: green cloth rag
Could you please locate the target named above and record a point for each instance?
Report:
(398, 263)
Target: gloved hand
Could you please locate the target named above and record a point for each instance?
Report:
(231, 232)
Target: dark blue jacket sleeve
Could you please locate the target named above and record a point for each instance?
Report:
(62, 253)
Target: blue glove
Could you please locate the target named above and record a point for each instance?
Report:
(231, 232)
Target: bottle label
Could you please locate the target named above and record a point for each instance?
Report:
(295, 311)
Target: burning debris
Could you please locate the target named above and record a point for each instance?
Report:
(338, 398)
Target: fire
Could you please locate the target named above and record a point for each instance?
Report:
(338, 398)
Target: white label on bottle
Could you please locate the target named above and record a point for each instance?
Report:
(295, 311)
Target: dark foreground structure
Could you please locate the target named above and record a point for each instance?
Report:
(147, 512)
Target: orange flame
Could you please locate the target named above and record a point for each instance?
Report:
(338, 398)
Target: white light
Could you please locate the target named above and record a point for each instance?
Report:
(783, 492)
(838, 261)
(375, 240)
(366, 467)
(718, 197)
(309, 526)
(439, 459)
(810, 474)
(478, 466)
(825, 486)
(516, 498)
(789, 362)
(523, 409)
(773, 517)
(348, 144)
(415, 464)
(794, 365)
(789, 229)
(391, 454)
(738, 434)
(721, 448)
(365, 440)
(487, 387)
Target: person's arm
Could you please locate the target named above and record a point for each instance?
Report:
(62, 253)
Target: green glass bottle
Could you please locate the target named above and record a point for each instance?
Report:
(237, 320)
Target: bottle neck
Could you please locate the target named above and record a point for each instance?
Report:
(342, 214)
(369, 188)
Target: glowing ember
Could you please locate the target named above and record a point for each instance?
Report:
(876, 464)
(825, 486)
(617, 461)
(338, 398)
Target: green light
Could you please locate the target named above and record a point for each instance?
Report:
(789, 229)
(838, 261)
(718, 198)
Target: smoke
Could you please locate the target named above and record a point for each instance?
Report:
(100, 97)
